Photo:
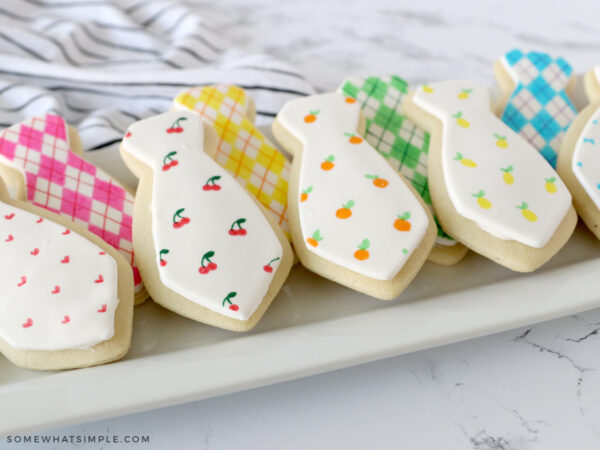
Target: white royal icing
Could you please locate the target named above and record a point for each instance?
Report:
(511, 192)
(383, 140)
(59, 290)
(586, 158)
(241, 259)
(60, 180)
(374, 210)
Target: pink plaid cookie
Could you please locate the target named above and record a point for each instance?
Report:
(61, 181)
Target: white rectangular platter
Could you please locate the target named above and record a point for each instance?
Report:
(313, 326)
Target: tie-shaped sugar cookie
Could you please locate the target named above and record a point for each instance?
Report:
(404, 145)
(205, 248)
(353, 218)
(242, 149)
(490, 188)
(40, 160)
(592, 84)
(67, 296)
(579, 157)
(535, 103)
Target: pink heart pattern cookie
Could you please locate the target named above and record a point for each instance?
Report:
(59, 180)
(45, 304)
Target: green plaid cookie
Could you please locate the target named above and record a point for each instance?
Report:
(396, 138)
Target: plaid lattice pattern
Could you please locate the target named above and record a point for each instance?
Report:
(242, 149)
(539, 108)
(395, 137)
(59, 180)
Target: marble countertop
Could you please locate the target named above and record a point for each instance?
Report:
(532, 388)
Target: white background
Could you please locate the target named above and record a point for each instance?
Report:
(534, 388)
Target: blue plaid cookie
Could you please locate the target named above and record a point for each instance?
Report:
(539, 108)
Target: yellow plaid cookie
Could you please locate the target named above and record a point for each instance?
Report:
(242, 149)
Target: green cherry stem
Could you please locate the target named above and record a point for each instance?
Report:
(169, 162)
(163, 262)
(207, 264)
(211, 185)
(240, 230)
(206, 257)
(168, 157)
(267, 267)
(178, 219)
(228, 298)
(176, 126)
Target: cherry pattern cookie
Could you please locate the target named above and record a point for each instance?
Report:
(537, 105)
(59, 180)
(59, 290)
(492, 177)
(213, 254)
(242, 149)
(349, 199)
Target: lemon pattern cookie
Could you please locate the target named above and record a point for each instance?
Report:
(493, 176)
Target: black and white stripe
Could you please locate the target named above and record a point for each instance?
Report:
(103, 64)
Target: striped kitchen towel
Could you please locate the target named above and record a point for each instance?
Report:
(104, 64)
